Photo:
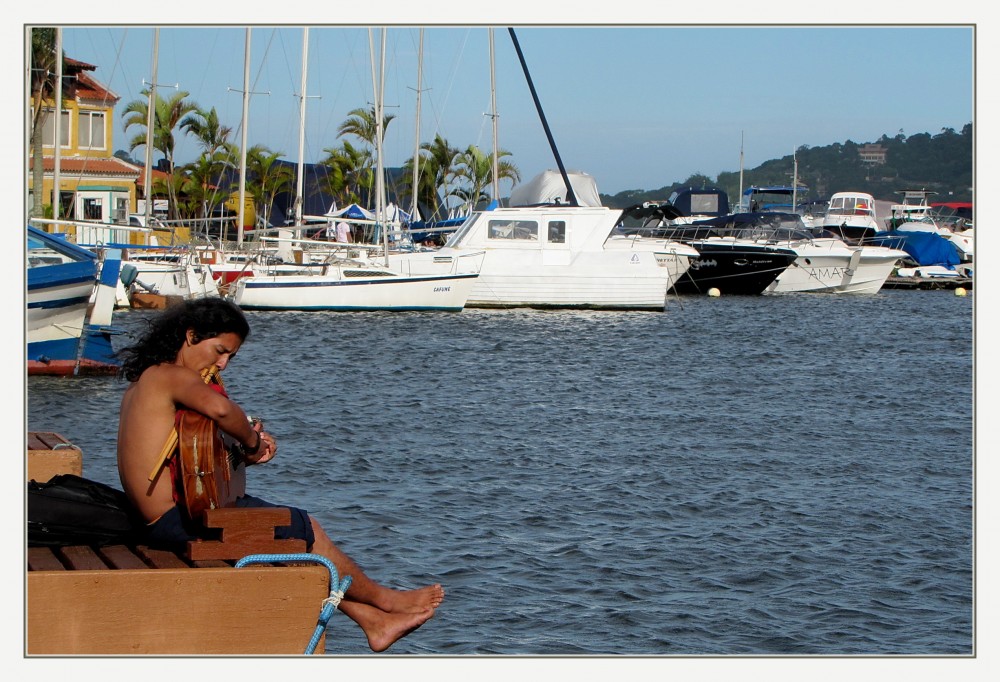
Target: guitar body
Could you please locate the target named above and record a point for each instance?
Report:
(212, 474)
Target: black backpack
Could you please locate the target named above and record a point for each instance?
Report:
(70, 510)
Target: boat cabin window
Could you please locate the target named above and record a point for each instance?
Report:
(704, 203)
(850, 206)
(513, 229)
(557, 232)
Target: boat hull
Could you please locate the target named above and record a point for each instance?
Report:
(621, 280)
(855, 270)
(733, 268)
(63, 301)
(322, 292)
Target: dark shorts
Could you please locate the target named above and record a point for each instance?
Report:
(174, 530)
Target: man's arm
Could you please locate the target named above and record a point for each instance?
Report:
(187, 389)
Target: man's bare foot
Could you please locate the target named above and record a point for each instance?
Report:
(385, 629)
(414, 601)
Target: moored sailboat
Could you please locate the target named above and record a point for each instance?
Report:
(343, 283)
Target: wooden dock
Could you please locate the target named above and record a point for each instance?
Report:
(928, 283)
(118, 599)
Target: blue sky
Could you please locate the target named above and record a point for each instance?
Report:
(636, 107)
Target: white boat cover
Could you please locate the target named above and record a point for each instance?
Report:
(548, 188)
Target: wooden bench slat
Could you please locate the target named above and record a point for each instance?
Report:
(161, 558)
(121, 557)
(212, 563)
(43, 559)
(82, 558)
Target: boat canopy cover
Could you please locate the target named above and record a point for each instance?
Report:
(548, 188)
(763, 225)
(707, 201)
(775, 189)
(654, 210)
(926, 248)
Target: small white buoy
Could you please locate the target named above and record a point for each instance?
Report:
(959, 291)
(714, 293)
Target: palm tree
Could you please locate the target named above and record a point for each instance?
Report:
(212, 136)
(350, 173)
(201, 193)
(43, 85)
(168, 114)
(437, 166)
(476, 168)
(266, 178)
(217, 154)
(362, 124)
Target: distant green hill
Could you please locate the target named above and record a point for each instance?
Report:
(940, 163)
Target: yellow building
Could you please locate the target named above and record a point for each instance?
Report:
(94, 185)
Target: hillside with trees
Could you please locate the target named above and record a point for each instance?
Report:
(941, 163)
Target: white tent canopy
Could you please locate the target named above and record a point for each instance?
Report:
(548, 188)
(351, 211)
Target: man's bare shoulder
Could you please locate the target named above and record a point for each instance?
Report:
(169, 374)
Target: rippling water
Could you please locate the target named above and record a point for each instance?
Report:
(764, 475)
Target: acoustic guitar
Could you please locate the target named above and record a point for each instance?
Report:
(210, 471)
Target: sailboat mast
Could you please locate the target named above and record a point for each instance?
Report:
(416, 137)
(570, 195)
(150, 132)
(494, 115)
(243, 139)
(302, 130)
(377, 85)
(57, 127)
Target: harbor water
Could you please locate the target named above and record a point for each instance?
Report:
(778, 475)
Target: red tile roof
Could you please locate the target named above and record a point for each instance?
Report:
(75, 165)
(86, 86)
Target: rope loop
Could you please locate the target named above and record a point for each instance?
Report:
(337, 587)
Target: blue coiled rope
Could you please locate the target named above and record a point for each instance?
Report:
(337, 587)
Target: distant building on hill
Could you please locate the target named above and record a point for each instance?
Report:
(872, 154)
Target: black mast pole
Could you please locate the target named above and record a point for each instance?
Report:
(570, 195)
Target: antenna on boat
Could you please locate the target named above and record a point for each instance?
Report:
(570, 195)
(740, 199)
(795, 181)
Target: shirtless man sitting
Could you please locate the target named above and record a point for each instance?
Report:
(165, 370)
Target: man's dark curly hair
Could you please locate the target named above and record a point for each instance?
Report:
(166, 333)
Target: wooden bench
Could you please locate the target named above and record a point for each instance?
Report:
(120, 599)
(49, 454)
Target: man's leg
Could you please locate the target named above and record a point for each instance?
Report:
(384, 614)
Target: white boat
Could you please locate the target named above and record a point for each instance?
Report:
(168, 272)
(556, 255)
(916, 214)
(824, 263)
(377, 283)
(348, 285)
(851, 216)
(70, 301)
